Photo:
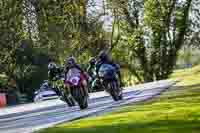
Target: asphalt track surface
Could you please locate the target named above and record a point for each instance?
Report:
(35, 116)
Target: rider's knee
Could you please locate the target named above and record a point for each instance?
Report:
(84, 82)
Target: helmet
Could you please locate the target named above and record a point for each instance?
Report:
(70, 61)
(103, 55)
(52, 65)
(92, 61)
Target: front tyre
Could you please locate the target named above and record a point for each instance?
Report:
(115, 91)
(121, 97)
(80, 97)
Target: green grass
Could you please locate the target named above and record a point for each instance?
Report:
(176, 111)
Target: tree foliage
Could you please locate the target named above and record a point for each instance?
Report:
(153, 31)
(11, 33)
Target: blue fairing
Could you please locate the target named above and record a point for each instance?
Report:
(107, 71)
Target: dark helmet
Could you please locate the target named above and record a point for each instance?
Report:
(92, 61)
(103, 55)
(70, 61)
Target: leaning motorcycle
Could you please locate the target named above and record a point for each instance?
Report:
(58, 87)
(76, 88)
(110, 81)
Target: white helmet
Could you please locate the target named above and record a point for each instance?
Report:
(52, 65)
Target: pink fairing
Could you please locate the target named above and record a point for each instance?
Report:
(75, 80)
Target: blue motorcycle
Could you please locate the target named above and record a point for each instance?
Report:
(110, 82)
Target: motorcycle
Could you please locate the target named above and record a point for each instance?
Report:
(110, 81)
(74, 81)
(94, 87)
(58, 87)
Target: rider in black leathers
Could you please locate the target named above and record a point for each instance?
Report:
(104, 58)
(54, 75)
(53, 71)
(94, 83)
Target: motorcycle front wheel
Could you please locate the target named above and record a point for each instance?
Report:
(115, 91)
(80, 97)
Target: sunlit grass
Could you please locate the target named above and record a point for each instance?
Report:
(176, 111)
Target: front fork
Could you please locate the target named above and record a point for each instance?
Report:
(84, 91)
(107, 86)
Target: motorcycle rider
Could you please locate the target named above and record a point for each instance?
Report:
(54, 73)
(91, 70)
(105, 58)
(70, 63)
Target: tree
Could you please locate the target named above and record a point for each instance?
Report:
(193, 36)
(66, 27)
(153, 32)
(18, 56)
(11, 34)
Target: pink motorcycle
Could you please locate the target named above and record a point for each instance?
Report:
(75, 81)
